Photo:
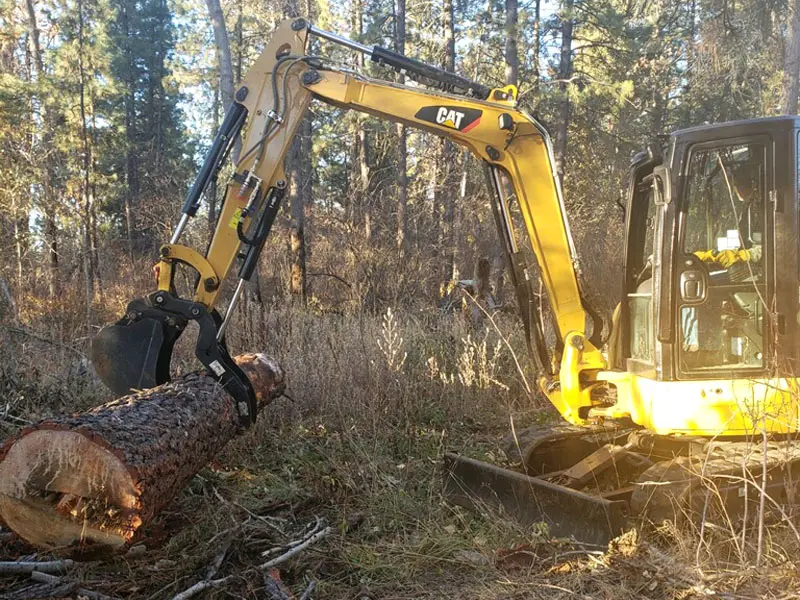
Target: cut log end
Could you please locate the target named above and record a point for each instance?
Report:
(94, 479)
(79, 488)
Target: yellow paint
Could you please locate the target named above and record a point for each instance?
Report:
(705, 407)
(237, 214)
(172, 253)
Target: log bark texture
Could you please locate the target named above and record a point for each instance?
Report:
(94, 479)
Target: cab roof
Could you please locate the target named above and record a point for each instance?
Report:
(740, 128)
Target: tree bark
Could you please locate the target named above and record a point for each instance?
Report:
(223, 51)
(402, 139)
(360, 208)
(92, 481)
(86, 186)
(791, 69)
(224, 62)
(131, 167)
(512, 55)
(537, 47)
(564, 75)
(45, 157)
(445, 199)
(299, 194)
(300, 197)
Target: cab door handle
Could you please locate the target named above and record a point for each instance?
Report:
(693, 286)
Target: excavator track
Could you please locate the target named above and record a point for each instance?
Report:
(592, 484)
(723, 481)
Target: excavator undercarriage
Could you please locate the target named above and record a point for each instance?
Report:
(591, 484)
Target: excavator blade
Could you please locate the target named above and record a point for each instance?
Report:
(477, 485)
(133, 355)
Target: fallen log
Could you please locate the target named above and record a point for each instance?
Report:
(94, 479)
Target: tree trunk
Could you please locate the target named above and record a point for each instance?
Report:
(131, 178)
(95, 479)
(791, 68)
(86, 187)
(537, 47)
(95, 244)
(364, 174)
(224, 61)
(299, 190)
(45, 157)
(402, 140)
(360, 205)
(445, 199)
(211, 195)
(239, 33)
(299, 194)
(512, 54)
(455, 274)
(564, 74)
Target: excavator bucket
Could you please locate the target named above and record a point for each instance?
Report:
(134, 354)
(478, 485)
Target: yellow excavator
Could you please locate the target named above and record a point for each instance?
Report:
(701, 356)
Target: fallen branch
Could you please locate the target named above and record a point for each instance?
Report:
(218, 559)
(201, 586)
(310, 541)
(37, 591)
(17, 567)
(307, 594)
(91, 594)
(294, 543)
(206, 584)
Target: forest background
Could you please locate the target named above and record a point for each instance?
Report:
(106, 109)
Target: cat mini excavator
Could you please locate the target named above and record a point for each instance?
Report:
(703, 350)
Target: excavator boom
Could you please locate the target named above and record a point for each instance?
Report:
(269, 105)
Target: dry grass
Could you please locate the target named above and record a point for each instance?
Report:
(375, 400)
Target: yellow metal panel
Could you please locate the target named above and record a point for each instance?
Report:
(268, 165)
(523, 154)
(527, 162)
(708, 407)
(172, 253)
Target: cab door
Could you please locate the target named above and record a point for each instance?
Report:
(640, 342)
(724, 244)
(640, 347)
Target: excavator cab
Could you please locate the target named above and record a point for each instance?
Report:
(701, 359)
(710, 287)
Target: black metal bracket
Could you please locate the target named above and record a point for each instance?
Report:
(174, 313)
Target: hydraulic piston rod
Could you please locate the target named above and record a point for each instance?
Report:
(414, 69)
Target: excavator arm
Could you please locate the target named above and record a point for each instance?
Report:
(269, 105)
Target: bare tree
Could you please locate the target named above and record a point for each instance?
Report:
(791, 68)
(564, 75)
(44, 158)
(402, 140)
